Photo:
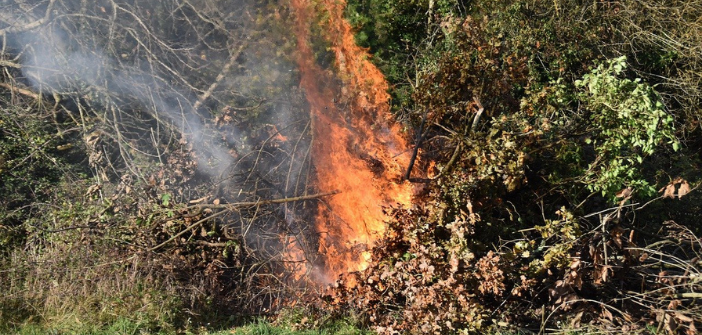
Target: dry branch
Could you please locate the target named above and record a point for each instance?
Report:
(30, 25)
(8, 63)
(235, 205)
(238, 205)
(20, 90)
(220, 77)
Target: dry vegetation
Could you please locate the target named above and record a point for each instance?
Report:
(155, 161)
(566, 141)
(141, 145)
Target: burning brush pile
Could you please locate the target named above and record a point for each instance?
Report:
(242, 179)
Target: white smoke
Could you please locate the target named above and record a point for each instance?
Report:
(51, 64)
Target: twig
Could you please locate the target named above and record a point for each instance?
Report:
(689, 295)
(220, 77)
(451, 161)
(420, 136)
(30, 25)
(187, 230)
(20, 90)
(609, 209)
(476, 119)
(264, 202)
(10, 64)
(236, 205)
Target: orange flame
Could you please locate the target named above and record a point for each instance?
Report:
(358, 150)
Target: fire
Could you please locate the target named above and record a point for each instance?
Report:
(358, 149)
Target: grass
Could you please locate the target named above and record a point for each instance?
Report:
(122, 326)
(265, 328)
(125, 326)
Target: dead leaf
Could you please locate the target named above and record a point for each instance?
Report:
(605, 270)
(684, 189)
(670, 324)
(643, 257)
(93, 189)
(574, 264)
(682, 317)
(668, 191)
(616, 235)
(575, 323)
(625, 193)
(197, 201)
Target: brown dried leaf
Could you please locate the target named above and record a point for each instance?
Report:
(575, 264)
(93, 189)
(684, 189)
(616, 234)
(670, 324)
(682, 317)
(575, 323)
(668, 191)
(624, 193)
(643, 257)
(605, 270)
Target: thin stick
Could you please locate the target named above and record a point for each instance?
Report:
(20, 90)
(236, 205)
(222, 74)
(264, 202)
(187, 230)
(420, 136)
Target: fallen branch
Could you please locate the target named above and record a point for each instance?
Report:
(262, 202)
(20, 90)
(8, 63)
(30, 25)
(220, 77)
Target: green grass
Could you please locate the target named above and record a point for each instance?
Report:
(124, 326)
(265, 328)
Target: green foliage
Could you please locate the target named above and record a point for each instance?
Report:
(121, 326)
(263, 327)
(405, 37)
(561, 234)
(566, 124)
(628, 123)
